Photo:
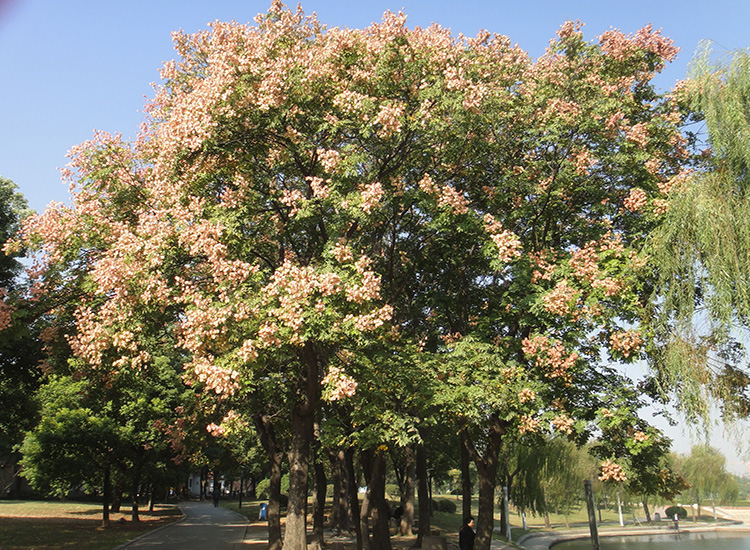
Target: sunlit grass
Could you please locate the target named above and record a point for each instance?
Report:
(52, 525)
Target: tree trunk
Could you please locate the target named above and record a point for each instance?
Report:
(319, 502)
(407, 502)
(15, 486)
(374, 463)
(337, 504)
(273, 512)
(645, 510)
(116, 498)
(134, 512)
(106, 494)
(423, 494)
(134, 489)
(364, 515)
(351, 483)
(487, 469)
(465, 478)
(308, 389)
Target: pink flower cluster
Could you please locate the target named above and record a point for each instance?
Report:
(339, 385)
(626, 342)
(621, 47)
(563, 424)
(526, 395)
(221, 380)
(550, 355)
(561, 299)
(446, 195)
(508, 244)
(528, 424)
(389, 119)
(636, 200)
(371, 195)
(611, 471)
(5, 310)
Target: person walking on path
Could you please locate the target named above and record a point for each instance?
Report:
(466, 534)
(203, 528)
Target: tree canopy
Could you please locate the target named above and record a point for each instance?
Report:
(332, 209)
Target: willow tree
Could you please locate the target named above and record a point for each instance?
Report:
(701, 250)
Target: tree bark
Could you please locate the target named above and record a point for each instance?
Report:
(319, 499)
(116, 498)
(273, 511)
(338, 503)
(646, 510)
(423, 494)
(465, 477)
(106, 494)
(308, 389)
(486, 464)
(374, 463)
(352, 488)
(407, 502)
(134, 512)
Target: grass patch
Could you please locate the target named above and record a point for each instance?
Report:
(250, 508)
(53, 525)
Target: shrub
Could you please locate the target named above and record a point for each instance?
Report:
(261, 489)
(444, 505)
(679, 510)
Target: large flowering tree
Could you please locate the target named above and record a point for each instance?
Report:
(297, 192)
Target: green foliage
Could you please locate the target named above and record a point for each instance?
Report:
(262, 487)
(72, 445)
(705, 470)
(679, 510)
(20, 348)
(700, 249)
(444, 505)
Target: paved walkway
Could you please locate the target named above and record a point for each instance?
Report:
(203, 528)
(207, 528)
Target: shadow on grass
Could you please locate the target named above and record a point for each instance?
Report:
(18, 533)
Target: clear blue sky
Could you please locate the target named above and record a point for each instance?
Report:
(68, 67)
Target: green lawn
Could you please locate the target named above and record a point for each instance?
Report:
(52, 525)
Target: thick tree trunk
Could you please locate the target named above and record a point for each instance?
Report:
(364, 516)
(486, 464)
(116, 498)
(273, 511)
(352, 489)
(338, 503)
(374, 463)
(308, 389)
(407, 502)
(423, 494)
(465, 478)
(319, 502)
